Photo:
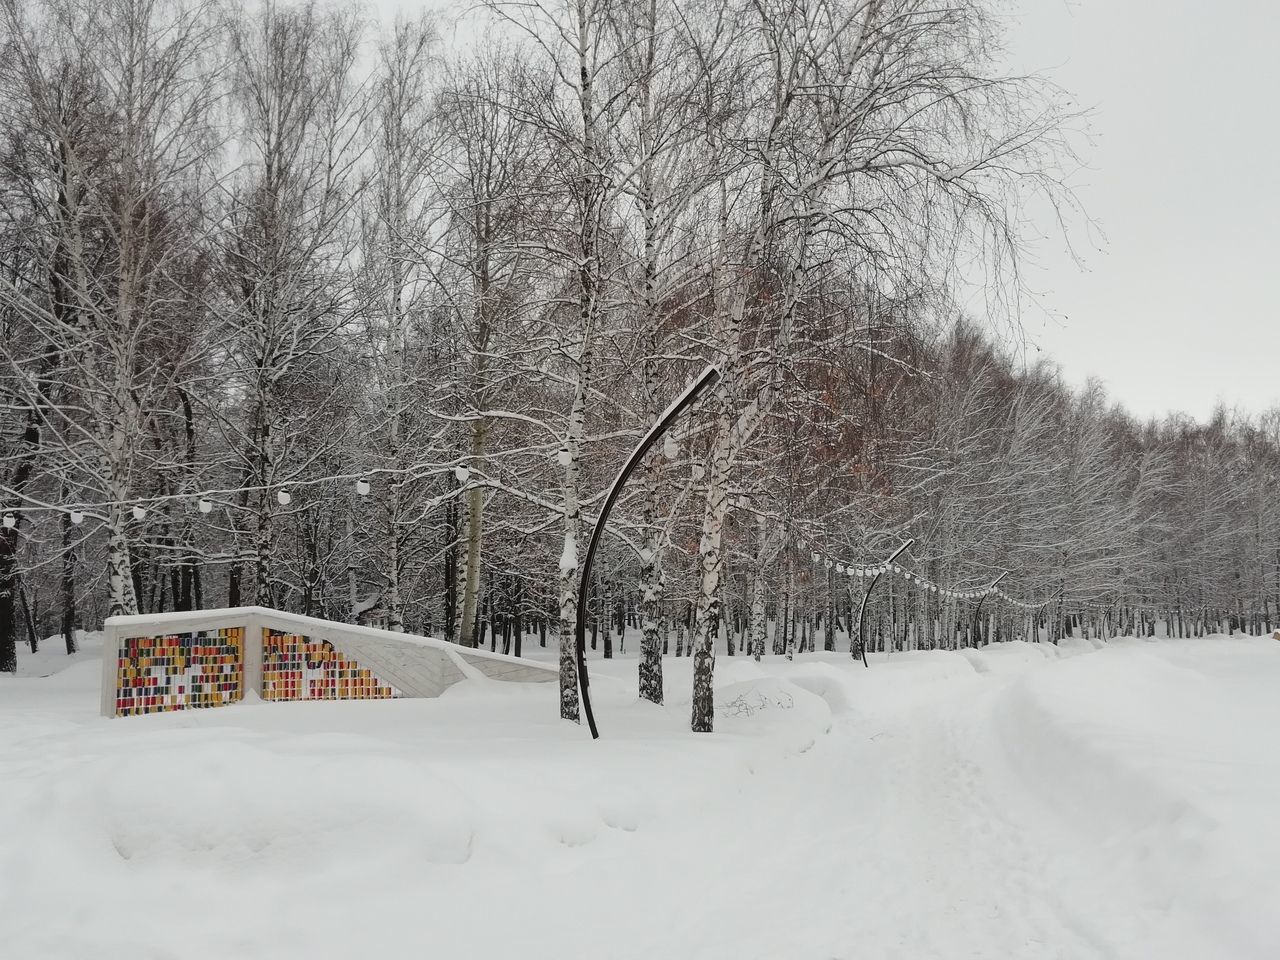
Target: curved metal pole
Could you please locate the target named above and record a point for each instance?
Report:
(978, 608)
(708, 376)
(862, 609)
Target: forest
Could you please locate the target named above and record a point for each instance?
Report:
(360, 320)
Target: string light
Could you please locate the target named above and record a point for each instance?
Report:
(926, 584)
(463, 474)
(78, 513)
(33, 505)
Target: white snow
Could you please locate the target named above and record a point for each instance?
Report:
(1022, 801)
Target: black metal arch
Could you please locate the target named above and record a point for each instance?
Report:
(862, 609)
(708, 376)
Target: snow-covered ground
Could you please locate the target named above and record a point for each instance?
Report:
(1017, 802)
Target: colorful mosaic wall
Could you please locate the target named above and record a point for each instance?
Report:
(295, 667)
(180, 671)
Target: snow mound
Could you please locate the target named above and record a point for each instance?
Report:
(233, 802)
(779, 711)
(826, 681)
(1009, 657)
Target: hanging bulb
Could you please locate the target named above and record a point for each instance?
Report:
(828, 563)
(10, 521)
(139, 512)
(77, 517)
(204, 505)
(670, 449)
(284, 497)
(562, 457)
(698, 473)
(362, 487)
(815, 556)
(800, 542)
(462, 473)
(839, 568)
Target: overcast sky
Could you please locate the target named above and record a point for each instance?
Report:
(1181, 306)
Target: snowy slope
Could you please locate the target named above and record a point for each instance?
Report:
(1019, 801)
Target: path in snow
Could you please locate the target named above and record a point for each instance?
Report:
(1002, 804)
(902, 834)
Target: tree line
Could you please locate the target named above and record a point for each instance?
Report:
(308, 311)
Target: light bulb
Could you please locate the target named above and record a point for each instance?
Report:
(204, 505)
(139, 512)
(670, 449)
(462, 473)
(839, 568)
(77, 517)
(362, 487)
(284, 497)
(562, 457)
(10, 521)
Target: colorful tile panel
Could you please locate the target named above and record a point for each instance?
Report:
(180, 671)
(295, 667)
